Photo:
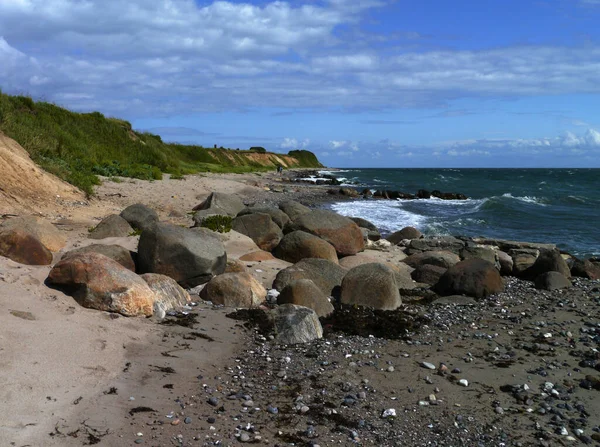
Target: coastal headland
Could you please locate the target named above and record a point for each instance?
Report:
(296, 327)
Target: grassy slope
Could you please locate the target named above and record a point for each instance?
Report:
(79, 146)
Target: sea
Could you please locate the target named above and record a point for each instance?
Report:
(559, 206)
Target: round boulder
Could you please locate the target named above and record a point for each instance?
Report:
(23, 247)
(139, 216)
(111, 226)
(299, 245)
(404, 233)
(260, 228)
(339, 231)
(42, 230)
(98, 282)
(371, 285)
(552, 281)
(221, 203)
(304, 292)
(325, 274)
(473, 277)
(443, 259)
(234, 290)
(585, 269)
(190, 257)
(428, 273)
(296, 324)
(114, 252)
(278, 216)
(168, 294)
(293, 209)
(547, 261)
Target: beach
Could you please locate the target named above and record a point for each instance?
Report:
(510, 369)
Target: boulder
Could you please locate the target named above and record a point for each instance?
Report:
(168, 294)
(23, 247)
(235, 266)
(473, 277)
(522, 258)
(139, 216)
(42, 230)
(338, 230)
(506, 263)
(260, 228)
(585, 269)
(200, 216)
(221, 203)
(443, 259)
(277, 216)
(293, 209)
(296, 324)
(304, 292)
(404, 233)
(98, 282)
(552, 281)
(190, 257)
(364, 223)
(257, 256)
(547, 261)
(349, 192)
(234, 290)
(428, 273)
(325, 274)
(111, 226)
(402, 271)
(446, 243)
(114, 252)
(371, 285)
(299, 245)
(480, 252)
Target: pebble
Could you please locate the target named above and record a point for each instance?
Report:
(428, 365)
(244, 437)
(389, 413)
(499, 410)
(213, 401)
(463, 382)
(272, 410)
(187, 420)
(304, 409)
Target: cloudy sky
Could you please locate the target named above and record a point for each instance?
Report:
(359, 82)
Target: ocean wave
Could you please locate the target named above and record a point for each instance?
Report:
(387, 215)
(577, 199)
(541, 201)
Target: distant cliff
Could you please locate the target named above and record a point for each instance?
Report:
(77, 147)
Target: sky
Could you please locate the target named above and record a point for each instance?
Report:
(361, 83)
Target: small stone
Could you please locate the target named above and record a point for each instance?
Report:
(248, 403)
(272, 410)
(390, 369)
(463, 382)
(304, 409)
(187, 420)
(176, 422)
(428, 365)
(213, 401)
(139, 441)
(211, 420)
(499, 410)
(389, 413)
(244, 437)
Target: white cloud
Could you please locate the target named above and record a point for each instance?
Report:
(293, 143)
(337, 144)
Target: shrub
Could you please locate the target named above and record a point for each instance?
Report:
(221, 224)
(260, 149)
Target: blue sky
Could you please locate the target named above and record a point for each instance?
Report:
(360, 83)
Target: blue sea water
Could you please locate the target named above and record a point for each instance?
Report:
(560, 206)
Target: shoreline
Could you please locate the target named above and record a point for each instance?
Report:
(345, 381)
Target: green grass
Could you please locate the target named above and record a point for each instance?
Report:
(78, 147)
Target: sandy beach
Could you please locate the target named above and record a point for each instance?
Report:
(74, 376)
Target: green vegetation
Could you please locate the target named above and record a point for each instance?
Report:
(259, 149)
(305, 158)
(78, 147)
(219, 223)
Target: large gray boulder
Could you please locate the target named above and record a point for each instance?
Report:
(190, 257)
(296, 324)
(278, 216)
(139, 216)
(506, 263)
(547, 261)
(325, 274)
(522, 258)
(234, 290)
(260, 228)
(168, 294)
(370, 231)
(473, 277)
(299, 245)
(293, 209)
(371, 285)
(552, 281)
(304, 292)
(98, 282)
(445, 259)
(114, 252)
(339, 231)
(404, 233)
(111, 226)
(480, 252)
(428, 273)
(221, 203)
(585, 269)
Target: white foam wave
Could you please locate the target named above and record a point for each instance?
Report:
(325, 172)
(387, 215)
(527, 199)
